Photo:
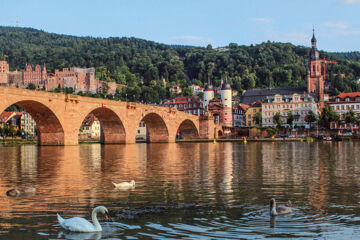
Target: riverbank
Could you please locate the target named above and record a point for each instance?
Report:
(17, 142)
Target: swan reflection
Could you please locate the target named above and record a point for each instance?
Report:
(80, 236)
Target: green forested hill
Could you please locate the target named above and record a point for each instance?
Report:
(145, 65)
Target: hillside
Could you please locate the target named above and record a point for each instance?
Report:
(144, 65)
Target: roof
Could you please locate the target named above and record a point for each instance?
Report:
(344, 95)
(225, 86)
(5, 116)
(178, 100)
(89, 120)
(254, 95)
(244, 106)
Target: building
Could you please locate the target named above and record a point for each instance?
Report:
(209, 93)
(315, 84)
(28, 124)
(239, 115)
(343, 102)
(196, 89)
(35, 74)
(191, 104)
(226, 99)
(79, 79)
(250, 114)
(298, 104)
(175, 89)
(4, 72)
(141, 131)
(315, 80)
(90, 127)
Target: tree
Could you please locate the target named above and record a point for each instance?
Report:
(31, 86)
(258, 119)
(2, 132)
(350, 117)
(290, 118)
(271, 131)
(310, 117)
(328, 116)
(187, 92)
(277, 119)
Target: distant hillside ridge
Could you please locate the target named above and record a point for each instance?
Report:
(138, 62)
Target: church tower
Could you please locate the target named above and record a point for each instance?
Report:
(315, 80)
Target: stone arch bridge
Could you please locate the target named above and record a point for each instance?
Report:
(59, 117)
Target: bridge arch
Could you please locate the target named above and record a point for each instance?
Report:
(156, 127)
(50, 129)
(187, 130)
(112, 128)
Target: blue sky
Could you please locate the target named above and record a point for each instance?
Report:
(196, 22)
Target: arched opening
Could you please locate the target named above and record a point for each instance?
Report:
(156, 128)
(34, 120)
(104, 125)
(220, 133)
(187, 130)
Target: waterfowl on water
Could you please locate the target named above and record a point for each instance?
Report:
(125, 185)
(16, 192)
(279, 209)
(77, 224)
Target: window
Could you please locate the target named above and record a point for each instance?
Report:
(254, 110)
(249, 116)
(347, 99)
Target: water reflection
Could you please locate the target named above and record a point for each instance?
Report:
(229, 183)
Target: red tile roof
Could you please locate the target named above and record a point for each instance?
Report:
(353, 94)
(4, 116)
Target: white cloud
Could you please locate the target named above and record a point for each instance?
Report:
(192, 40)
(349, 2)
(261, 20)
(336, 25)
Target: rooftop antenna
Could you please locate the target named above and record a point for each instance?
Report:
(17, 21)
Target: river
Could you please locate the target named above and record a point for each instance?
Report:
(184, 190)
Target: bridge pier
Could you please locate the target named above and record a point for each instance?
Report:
(51, 138)
(207, 126)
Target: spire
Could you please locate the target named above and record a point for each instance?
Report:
(314, 54)
(313, 39)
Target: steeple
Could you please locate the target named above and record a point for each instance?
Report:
(313, 40)
(314, 54)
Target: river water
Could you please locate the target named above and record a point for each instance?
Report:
(184, 190)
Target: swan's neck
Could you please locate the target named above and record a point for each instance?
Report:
(95, 220)
(273, 209)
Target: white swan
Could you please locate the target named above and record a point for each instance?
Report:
(125, 185)
(277, 210)
(77, 224)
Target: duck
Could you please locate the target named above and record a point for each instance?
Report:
(16, 192)
(125, 185)
(78, 224)
(279, 210)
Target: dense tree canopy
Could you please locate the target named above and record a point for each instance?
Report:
(136, 62)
